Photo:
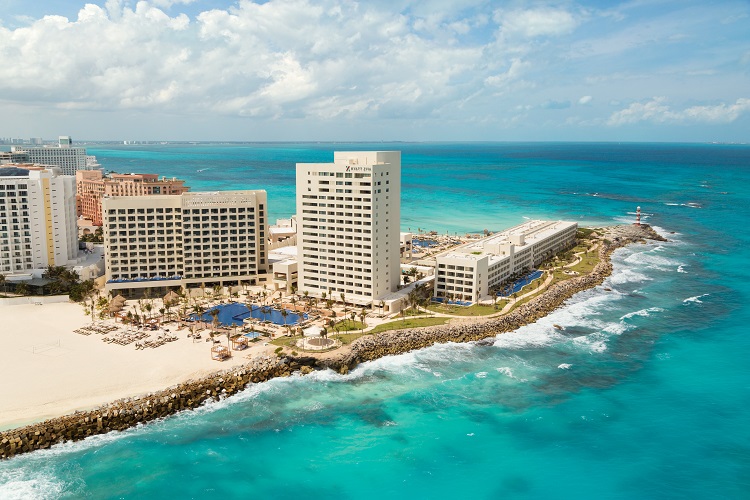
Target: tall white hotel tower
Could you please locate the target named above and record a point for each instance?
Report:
(349, 217)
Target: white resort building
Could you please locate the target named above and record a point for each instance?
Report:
(188, 240)
(349, 213)
(468, 272)
(38, 224)
(66, 156)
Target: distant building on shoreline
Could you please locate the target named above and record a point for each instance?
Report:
(92, 186)
(161, 242)
(66, 156)
(349, 216)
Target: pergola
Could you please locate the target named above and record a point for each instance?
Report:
(239, 343)
(220, 353)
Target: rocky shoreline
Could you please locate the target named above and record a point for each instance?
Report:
(126, 413)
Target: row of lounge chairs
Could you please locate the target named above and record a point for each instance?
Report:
(125, 338)
(155, 343)
(101, 329)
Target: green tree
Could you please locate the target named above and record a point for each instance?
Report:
(284, 314)
(343, 300)
(215, 317)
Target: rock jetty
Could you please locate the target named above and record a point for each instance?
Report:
(126, 413)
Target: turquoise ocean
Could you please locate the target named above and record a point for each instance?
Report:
(645, 394)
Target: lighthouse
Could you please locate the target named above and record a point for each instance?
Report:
(638, 216)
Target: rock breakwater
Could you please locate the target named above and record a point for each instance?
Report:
(126, 413)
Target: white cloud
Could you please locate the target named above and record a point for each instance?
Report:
(463, 63)
(279, 58)
(656, 110)
(516, 69)
(536, 22)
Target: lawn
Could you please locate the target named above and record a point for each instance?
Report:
(403, 324)
(473, 310)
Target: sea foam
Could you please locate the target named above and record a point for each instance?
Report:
(696, 299)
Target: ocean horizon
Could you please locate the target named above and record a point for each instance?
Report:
(642, 395)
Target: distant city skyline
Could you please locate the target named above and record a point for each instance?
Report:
(301, 70)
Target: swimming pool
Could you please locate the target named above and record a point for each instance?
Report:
(234, 313)
(520, 283)
(442, 300)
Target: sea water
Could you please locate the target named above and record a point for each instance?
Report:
(643, 394)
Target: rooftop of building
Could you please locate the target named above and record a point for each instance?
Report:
(282, 254)
(532, 231)
(14, 172)
(25, 169)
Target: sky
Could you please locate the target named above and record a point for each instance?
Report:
(385, 70)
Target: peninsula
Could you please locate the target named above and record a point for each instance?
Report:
(207, 385)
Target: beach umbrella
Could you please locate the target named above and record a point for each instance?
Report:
(118, 299)
(171, 296)
(114, 307)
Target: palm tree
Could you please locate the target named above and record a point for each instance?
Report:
(284, 314)
(3, 282)
(102, 304)
(22, 289)
(362, 316)
(215, 315)
(412, 299)
(343, 299)
(353, 315)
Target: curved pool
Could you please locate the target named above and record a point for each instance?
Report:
(234, 313)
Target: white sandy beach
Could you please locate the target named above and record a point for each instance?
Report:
(48, 370)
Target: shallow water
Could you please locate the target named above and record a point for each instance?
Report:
(642, 395)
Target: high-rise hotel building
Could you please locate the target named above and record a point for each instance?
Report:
(37, 219)
(187, 240)
(348, 216)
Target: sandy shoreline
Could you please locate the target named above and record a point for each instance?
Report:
(38, 349)
(48, 370)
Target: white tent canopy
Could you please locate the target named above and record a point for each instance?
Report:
(313, 331)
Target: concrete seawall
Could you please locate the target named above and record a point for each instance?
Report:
(127, 413)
